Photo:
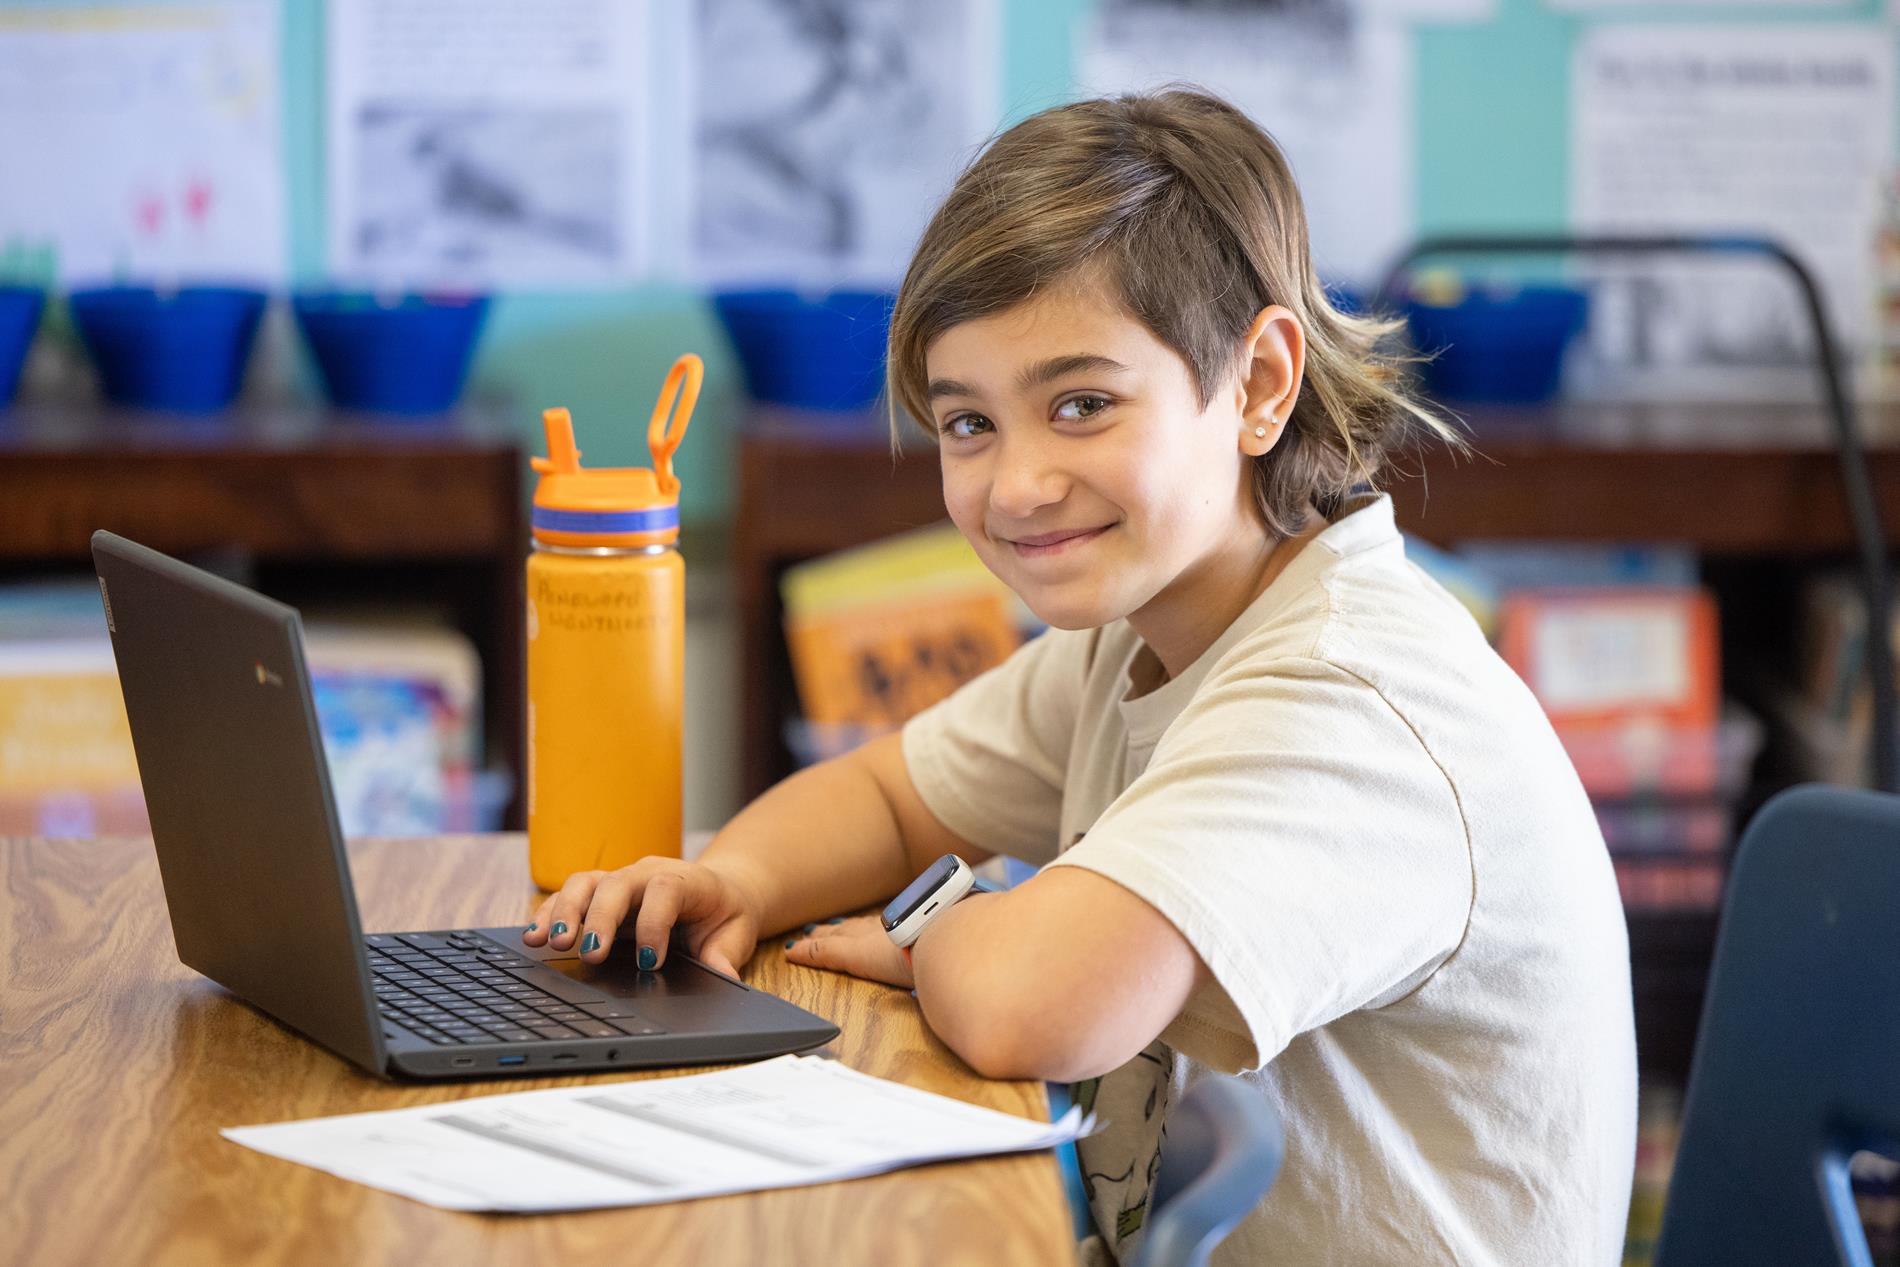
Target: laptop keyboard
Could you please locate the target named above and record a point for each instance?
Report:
(458, 987)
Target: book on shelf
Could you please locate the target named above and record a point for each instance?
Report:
(1823, 703)
(879, 632)
(398, 702)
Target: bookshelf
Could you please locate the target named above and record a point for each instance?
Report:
(315, 506)
(1734, 481)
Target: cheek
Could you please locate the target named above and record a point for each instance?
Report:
(964, 498)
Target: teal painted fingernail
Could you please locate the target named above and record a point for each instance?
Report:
(590, 942)
(791, 943)
(560, 926)
(835, 919)
(811, 928)
(648, 957)
(532, 927)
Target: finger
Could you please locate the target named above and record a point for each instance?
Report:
(854, 927)
(564, 913)
(727, 946)
(688, 893)
(873, 958)
(614, 897)
(536, 933)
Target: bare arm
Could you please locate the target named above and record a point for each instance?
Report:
(1066, 976)
(838, 836)
(835, 837)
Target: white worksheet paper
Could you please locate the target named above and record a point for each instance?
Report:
(781, 1123)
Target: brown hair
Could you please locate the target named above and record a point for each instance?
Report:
(1191, 209)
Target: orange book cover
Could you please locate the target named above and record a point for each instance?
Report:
(1607, 656)
(878, 665)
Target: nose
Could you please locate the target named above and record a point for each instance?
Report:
(1027, 475)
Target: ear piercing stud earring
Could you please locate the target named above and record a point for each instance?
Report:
(1261, 432)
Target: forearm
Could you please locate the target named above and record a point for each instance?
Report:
(823, 841)
(969, 971)
(1064, 977)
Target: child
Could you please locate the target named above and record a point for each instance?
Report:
(1300, 824)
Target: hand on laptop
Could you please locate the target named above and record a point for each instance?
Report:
(716, 920)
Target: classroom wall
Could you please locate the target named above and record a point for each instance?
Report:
(1491, 134)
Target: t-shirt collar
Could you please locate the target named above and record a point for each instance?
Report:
(1365, 522)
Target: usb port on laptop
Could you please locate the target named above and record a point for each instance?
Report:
(511, 1060)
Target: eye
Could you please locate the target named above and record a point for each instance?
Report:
(1078, 408)
(950, 425)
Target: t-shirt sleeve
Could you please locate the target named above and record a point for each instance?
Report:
(1298, 833)
(990, 759)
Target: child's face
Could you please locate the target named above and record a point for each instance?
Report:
(1065, 417)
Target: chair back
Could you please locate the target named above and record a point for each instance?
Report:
(1221, 1153)
(1797, 1064)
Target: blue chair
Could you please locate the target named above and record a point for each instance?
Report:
(1797, 1065)
(1220, 1155)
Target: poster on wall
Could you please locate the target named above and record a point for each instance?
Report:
(825, 132)
(1629, 5)
(485, 143)
(142, 143)
(1330, 80)
(1784, 132)
(1429, 11)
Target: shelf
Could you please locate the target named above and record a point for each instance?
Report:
(325, 505)
(1725, 479)
(1744, 480)
(278, 483)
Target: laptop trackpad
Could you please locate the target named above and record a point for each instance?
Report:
(581, 983)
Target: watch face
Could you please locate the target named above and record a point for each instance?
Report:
(917, 890)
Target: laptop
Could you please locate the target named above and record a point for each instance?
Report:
(257, 881)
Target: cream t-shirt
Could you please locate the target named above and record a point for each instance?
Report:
(1361, 820)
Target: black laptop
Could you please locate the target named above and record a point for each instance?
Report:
(258, 884)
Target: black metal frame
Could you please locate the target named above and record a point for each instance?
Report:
(1856, 484)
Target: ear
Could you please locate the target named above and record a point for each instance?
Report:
(1272, 361)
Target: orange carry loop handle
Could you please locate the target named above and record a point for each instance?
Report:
(678, 394)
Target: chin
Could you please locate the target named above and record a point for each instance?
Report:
(1064, 612)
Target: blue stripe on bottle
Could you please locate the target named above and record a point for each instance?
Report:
(658, 520)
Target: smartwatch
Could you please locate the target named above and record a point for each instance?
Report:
(942, 883)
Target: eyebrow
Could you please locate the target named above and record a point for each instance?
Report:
(1036, 375)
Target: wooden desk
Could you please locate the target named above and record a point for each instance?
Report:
(118, 1066)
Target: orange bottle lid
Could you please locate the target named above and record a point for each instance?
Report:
(616, 507)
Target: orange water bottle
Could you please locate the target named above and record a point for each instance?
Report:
(606, 649)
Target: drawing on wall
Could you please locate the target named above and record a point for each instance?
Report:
(482, 191)
(175, 111)
(1330, 81)
(826, 131)
(1784, 132)
(478, 143)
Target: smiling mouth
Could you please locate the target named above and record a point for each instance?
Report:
(1057, 544)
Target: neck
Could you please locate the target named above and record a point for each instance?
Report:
(1183, 621)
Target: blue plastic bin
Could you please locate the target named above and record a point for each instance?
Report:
(821, 353)
(1498, 345)
(182, 350)
(19, 318)
(410, 357)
